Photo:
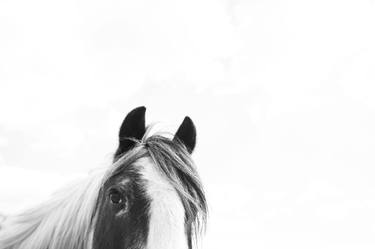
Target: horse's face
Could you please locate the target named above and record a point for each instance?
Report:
(151, 197)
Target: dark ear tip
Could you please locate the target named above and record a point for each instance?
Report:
(187, 119)
(134, 118)
(140, 110)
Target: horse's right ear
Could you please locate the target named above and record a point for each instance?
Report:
(186, 134)
(132, 128)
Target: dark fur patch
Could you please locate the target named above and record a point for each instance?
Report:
(122, 228)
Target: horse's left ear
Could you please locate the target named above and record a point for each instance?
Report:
(186, 134)
(133, 127)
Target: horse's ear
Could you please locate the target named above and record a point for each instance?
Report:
(187, 134)
(133, 127)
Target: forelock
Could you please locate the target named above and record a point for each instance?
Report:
(174, 162)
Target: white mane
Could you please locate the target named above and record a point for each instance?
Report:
(63, 222)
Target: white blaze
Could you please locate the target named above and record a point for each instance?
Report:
(167, 214)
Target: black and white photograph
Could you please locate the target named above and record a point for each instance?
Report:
(173, 124)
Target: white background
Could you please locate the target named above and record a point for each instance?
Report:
(282, 94)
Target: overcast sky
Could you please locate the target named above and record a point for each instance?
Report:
(282, 94)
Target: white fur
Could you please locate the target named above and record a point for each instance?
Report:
(60, 223)
(167, 214)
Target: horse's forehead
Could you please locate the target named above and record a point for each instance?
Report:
(167, 213)
(149, 172)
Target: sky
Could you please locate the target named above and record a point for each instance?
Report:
(282, 94)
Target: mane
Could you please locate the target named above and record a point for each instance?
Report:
(63, 222)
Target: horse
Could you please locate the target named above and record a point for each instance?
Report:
(150, 197)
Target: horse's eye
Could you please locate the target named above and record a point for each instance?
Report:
(116, 197)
